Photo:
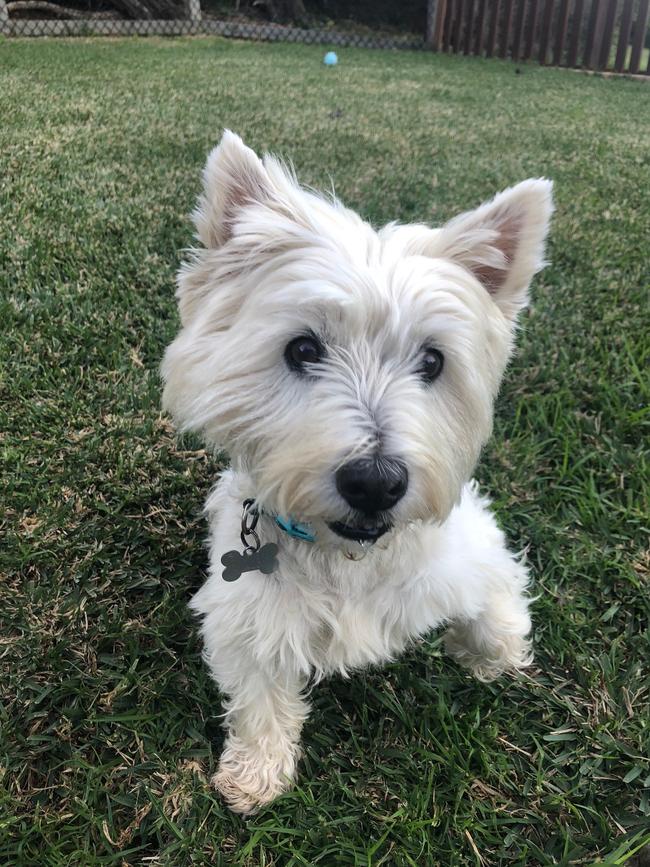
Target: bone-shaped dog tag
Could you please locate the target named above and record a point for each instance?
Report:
(264, 560)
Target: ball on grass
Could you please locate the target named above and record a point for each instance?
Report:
(330, 59)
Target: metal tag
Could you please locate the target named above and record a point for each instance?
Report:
(264, 560)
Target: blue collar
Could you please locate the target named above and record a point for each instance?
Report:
(293, 528)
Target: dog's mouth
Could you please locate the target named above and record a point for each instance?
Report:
(369, 533)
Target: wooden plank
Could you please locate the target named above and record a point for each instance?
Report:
(446, 25)
(561, 32)
(599, 34)
(494, 22)
(531, 29)
(638, 36)
(507, 25)
(438, 24)
(545, 34)
(624, 35)
(588, 54)
(608, 32)
(576, 32)
(519, 28)
(480, 28)
(469, 27)
(458, 27)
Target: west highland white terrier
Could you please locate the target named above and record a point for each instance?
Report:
(350, 374)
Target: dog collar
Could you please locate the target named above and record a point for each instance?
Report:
(255, 556)
(264, 558)
(295, 529)
(303, 532)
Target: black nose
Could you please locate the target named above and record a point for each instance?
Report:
(372, 485)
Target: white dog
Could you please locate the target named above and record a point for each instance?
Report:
(350, 374)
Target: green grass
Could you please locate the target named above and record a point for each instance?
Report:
(110, 724)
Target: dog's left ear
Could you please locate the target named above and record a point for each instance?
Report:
(502, 242)
(233, 177)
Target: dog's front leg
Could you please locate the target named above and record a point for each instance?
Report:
(496, 640)
(265, 713)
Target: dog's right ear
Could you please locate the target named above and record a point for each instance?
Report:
(233, 177)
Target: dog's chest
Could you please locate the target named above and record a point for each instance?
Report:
(362, 634)
(361, 619)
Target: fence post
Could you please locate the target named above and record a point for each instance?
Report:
(5, 27)
(435, 19)
(193, 9)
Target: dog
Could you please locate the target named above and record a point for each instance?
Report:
(350, 374)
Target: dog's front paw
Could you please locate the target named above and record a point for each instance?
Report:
(488, 655)
(235, 795)
(247, 779)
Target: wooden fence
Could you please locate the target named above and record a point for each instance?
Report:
(589, 34)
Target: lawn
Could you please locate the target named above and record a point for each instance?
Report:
(109, 722)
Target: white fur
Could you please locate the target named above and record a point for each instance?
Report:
(277, 262)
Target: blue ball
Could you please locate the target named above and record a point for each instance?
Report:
(330, 59)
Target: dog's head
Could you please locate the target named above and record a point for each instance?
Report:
(351, 373)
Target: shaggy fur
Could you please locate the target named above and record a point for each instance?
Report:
(278, 262)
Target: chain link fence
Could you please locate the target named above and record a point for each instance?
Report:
(46, 18)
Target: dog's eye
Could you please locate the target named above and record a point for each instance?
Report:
(431, 366)
(302, 351)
